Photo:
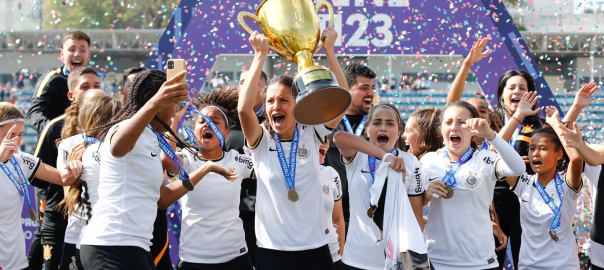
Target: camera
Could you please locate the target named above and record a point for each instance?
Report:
(170, 64)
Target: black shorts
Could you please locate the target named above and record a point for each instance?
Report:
(115, 258)
(312, 259)
(242, 262)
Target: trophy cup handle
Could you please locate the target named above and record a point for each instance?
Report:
(240, 19)
(318, 6)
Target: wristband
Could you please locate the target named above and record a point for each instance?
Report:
(516, 119)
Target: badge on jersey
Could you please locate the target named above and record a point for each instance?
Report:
(471, 180)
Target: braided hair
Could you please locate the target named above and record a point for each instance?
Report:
(224, 98)
(144, 86)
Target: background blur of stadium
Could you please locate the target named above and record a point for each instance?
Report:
(565, 39)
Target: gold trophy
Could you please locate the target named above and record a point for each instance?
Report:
(292, 27)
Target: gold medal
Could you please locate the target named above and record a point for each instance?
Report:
(292, 195)
(370, 212)
(553, 235)
(188, 184)
(450, 192)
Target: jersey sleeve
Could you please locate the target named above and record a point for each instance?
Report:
(567, 183)
(63, 154)
(592, 174)
(415, 176)
(260, 144)
(337, 184)
(244, 162)
(521, 184)
(321, 133)
(29, 165)
(351, 165)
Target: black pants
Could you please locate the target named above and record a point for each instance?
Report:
(249, 227)
(68, 256)
(160, 250)
(312, 259)
(509, 221)
(53, 237)
(35, 256)
(115, 258)
(242, 262)
(337, 265)
(594, 267)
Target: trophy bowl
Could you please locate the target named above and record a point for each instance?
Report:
(293, 30)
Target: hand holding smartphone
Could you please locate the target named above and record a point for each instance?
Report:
(176, 66)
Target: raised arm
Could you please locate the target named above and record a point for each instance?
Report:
(170, 92)
(329, 38)
(572, 138)
(575, 166)
(349, 144)
(247, 93)
(474, 56)
(582, 99)
(170, 193)
(525, 106)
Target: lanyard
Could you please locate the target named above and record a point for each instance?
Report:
(20, 184)
(515, 135)
(371, 162)
(289, 172)
(90, 140)
(485, 144)
(260, 110)
(557, 210)
(211, 124)
(449, 178)
(190, 134)
(165, 147)
(360, 127)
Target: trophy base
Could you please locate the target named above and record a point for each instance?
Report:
(320, 98)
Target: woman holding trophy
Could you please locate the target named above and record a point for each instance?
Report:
(290, 224)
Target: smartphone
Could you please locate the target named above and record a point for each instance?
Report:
(176, 66)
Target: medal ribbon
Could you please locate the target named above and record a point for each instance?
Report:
(371, 162)
(191, 135)
(90, 140)
(211, 124)
(485, 144)
(165, 147)
(21, 185)
(449, 178)
(289, 172)
(515, 135)
(360, 127)
(557, 210)
(260, 110)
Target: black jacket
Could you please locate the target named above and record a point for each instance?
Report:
(50, 99)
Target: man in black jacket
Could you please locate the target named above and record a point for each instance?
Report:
(247, 204)
(360, 81)
(49, 102)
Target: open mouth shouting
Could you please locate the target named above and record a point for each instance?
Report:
(278, 119)
(76, 64)
(382, 140)
(536, 163)
(322, 151)
(515, 102)
(455, 140)
(207, 136)
(367, 100)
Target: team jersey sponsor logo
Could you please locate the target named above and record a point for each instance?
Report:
(245, 160)
(488, 160)
(29, 163)
(418, 175)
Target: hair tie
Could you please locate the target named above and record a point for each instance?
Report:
(12, 121)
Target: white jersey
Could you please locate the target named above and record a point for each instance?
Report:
(459, 233)
(212, 231)
(280, 223)
(128, 195)
(361, 250)
(538, 249)
(12, 245)
(592, 173)
(331, 189)
(75, 221)
(91, 162)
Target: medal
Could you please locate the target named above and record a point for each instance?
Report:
(32, 214)
(371, 211)
(188, 184)
(553, 235)
(289, 171)
(292, 195)
(557, 210)
(450, 192)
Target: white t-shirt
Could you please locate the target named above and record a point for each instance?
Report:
(212, 231)
(128, 195)
(12, 245)
(280, 223)
(592, 173)
(459, 233)
(75, 221)
(538, 249)
(331, 189)
(91, 162)
(361, 250)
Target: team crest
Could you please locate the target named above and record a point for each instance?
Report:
(303, 152)
(471, 180)
(325, 190)
(527, 129)
(231, 170)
